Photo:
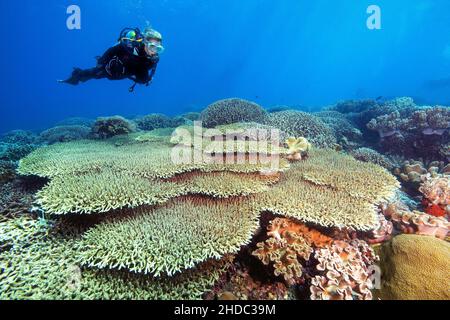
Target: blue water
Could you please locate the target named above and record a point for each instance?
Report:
(292, 52)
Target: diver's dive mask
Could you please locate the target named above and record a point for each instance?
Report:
(154, 47)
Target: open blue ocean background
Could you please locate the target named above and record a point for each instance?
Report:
(287, 52)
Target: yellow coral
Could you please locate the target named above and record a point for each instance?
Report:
(297, 147)
(415, 268)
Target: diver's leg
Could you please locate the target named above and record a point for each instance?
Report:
(79, 75)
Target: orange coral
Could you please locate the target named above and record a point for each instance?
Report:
(289, 243)
(280, 226)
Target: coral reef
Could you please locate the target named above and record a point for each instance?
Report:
(192, 116)
(413, 172)
(170, 238)
(347, 272)
(157, 121)
(231, 111)
(436, 193)
(350, 187)
(108, 127)
(415, 222)
(344, 131)
(19, 137)
(7, 171)
(45, 266)
(14, 200)
(76, 121)
(288, 245)
(355, 106)
(15, 151)
(419, 132)
(238, 284)
(370, 155)
(65, 134)
(415, 268)
(298, 148)
(302, 124)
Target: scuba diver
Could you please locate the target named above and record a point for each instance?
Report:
(135, 57)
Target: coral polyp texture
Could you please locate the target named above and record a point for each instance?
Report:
(170, 238)
(231, 111)
(415, 268)
(149, 160)
(347, 271)
(302, 124)
(42, 266)
(102, 192)
(370, 155)
(332, 190)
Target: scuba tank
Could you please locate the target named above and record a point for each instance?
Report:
(131, 38)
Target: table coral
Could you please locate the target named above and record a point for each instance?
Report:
(170, 238)
(351, 189)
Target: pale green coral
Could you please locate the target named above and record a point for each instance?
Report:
(46, 266)
(171, 238)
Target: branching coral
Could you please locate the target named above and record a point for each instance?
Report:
(370, 155)
(102, 192)
(150, 160)
(109, 127)
(170, 238)
(156, 121)
(430, 120)
(47, 267)
(19, 137)
(231, 111)
(351, 188)
(302, 124)
(64, 134)
(343, 129)
(347, 272)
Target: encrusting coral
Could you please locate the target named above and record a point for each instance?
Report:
(415, 268)
(232, 111)
(347, 272)
(172, 237)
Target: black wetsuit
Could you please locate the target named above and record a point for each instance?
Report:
(117, 63)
